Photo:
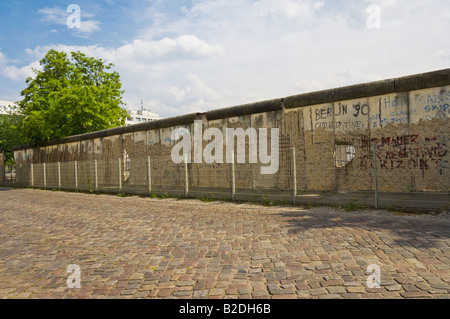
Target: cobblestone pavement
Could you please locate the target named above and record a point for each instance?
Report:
(135, 247)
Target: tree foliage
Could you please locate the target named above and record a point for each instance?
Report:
(9, 134)
(69, 97)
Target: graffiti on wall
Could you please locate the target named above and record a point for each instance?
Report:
(391, 109)
(434, 105)
(405, 152)
(340, 117)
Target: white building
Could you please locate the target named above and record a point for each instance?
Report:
(5, 106)
(140, 116)
(134, 116)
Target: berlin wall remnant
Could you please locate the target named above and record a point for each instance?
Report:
(407, 117)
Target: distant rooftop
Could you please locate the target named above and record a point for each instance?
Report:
(141, 116)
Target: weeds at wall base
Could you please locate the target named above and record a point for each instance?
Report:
(353, 205)
(209, 197)
(263, 200)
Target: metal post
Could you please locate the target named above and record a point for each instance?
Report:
(186, 180)
(45, 176)
(59, 175)
(375, 173)
(76, 174)
(149, 175)
(294, 176)
(233, 178)
(120, 174)
(96, 174)
(32, 175)
(15, 175)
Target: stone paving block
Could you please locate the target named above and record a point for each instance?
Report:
(394, 287)
(216, 292)
(330, 296)
(314, 285)
(293, 296)
(128, 292)
(164, 292)
(317, 291)
(244, 290)
(353, 289)
(331, 283)
(182, 293)
(185, 283)
(273, 286)
(415, 294)
(352, 283)
(440, 286)
(261, 293)
(141, 294)
(282, 291)
(336, 290)
(351, 296)
(437, 291)
(200, 294)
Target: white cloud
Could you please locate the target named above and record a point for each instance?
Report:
(16, 73)
(445, 54)
(289, 9)
(181, 48)
(19, 74)
(87, 27)
(54, 15)
(318, 5)
(339, 78)
(184, 47)
(2, 58)
(59, 16)
(197, 94)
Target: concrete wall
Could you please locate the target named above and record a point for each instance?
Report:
(2, 167)
(407, 117)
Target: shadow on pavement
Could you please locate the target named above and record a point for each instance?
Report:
(415, 231)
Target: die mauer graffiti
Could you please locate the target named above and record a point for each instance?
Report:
(405, 152)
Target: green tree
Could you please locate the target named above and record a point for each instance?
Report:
(69, 97)
(9, 134)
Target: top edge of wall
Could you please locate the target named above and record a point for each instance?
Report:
(396, 85)
(245, 109)
(162, 123)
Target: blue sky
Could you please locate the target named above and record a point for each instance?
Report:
(193, 56)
